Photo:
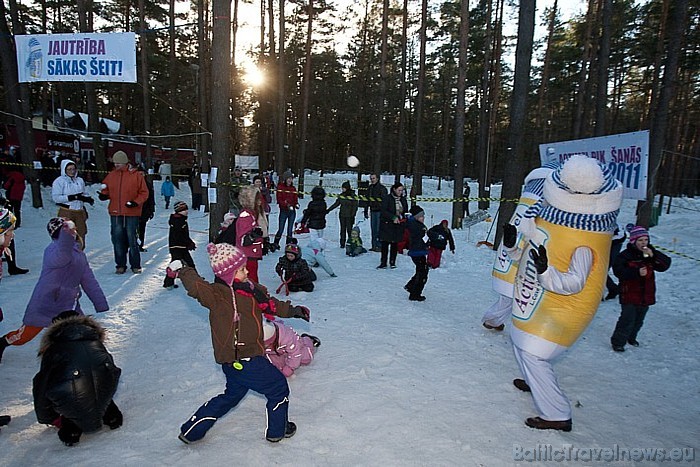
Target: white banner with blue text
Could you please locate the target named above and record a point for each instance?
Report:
(99, 57)
(626, 154)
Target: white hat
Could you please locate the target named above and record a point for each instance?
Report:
(582, 185)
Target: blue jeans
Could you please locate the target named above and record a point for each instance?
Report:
(288, 216)
(374, 218)
(257, 374)
(124, 230)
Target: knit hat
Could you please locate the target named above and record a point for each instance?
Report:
(54, 226)
(582, 185)
(638, 232)
(345, 185)
(120, 157)
(445, 221)
(416, 211)
(287, 174)
(293, 249)
(7, 220)
(318, 193)
(180, 206)
(225, 260)
(356, 229)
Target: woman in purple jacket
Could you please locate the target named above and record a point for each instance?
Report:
(64, 272)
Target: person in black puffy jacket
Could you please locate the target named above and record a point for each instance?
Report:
(294, 270)
(77, 380)
(315, 213)
(439, 236)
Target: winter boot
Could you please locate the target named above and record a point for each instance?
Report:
(542, 424)
(69, 432)
(314, 339)
(4, 420)
(416, 298)
(288, 433)
(3, 346)
(500, 327)
(274, 246)
(522, 385)
(12, 268)
(113, 417)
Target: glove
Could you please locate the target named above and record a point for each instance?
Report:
(540, 259)
(366, 215)
(257, 233)
(192, 246)
(301, 312)
(510, 234)
(287, 371)
(131, 204)
(86, 199)
(73, 197)
(174, 268)
(102, 196)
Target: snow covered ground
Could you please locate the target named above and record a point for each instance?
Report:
(393, 383)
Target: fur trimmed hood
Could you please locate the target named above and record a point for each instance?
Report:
(72, 329)
(247, 197)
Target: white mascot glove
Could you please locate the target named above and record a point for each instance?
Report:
(174, 268)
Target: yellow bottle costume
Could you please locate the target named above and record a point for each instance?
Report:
(504, 267)
(575, 222)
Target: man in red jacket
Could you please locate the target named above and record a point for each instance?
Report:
(126, 190)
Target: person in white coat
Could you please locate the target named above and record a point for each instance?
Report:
(561, 276)
(68, 192)
(313, 254)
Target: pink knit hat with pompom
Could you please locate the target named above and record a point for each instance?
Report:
(225, 260)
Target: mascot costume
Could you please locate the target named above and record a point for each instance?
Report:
(504, 267)
(563, 264)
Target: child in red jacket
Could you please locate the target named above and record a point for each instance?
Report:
(635, 268)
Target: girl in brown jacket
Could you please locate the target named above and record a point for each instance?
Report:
(236, 306)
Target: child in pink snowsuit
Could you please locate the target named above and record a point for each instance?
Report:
(286, 349)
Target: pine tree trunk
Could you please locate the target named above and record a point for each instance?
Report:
(281, 99)
(581, 95)
(516, 162)
(220, 113)
(401, 156)
(482, 142)
(145, 80)
(540, 119)
(379, 143)
(18, 97)
(458, 192)
(306, 91)
(417, 186)
(601, 99)
(659, 123)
